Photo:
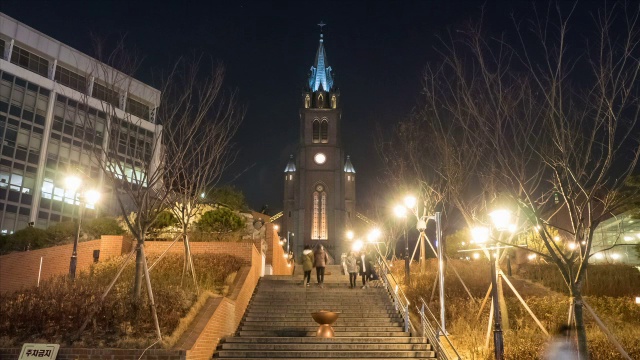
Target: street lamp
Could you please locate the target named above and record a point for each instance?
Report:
(411, 203)
(74, 184)
(501, 220)
(401, 212)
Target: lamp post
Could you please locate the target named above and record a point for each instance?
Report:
(501, 221)
(74, 184)
(401, 212)
(289, 234)
(411, 203)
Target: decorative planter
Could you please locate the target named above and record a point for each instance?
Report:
(325, 318)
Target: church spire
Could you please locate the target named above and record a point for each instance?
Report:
(348, 166)
(320, 70)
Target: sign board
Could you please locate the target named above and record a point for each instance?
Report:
(39, 351)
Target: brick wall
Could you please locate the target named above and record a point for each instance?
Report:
(239, 249)
(275, 254)
(20, 269)
(220, 317)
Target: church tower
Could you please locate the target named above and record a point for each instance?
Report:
(319, 189)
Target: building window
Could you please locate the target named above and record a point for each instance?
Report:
(138, 109)
(2, 49)
(316, 131)
(105, 94)
(348, 177)
(315, 230)
(30, 61)
(319, 222)
(71, 79)
(324, 131)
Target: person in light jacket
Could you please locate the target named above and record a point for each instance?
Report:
(363, 268)
(320, 261)
(352, 269)
(307, 264)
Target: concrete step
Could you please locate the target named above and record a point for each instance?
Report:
(311, 328)
(309, 320)
(325, 347)
(301, 317)
(318, 340)
(324, 354)
(319, 358)
(302, 333)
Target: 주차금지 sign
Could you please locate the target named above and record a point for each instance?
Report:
(39, 351)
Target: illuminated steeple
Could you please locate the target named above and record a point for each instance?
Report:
(321, 71)
(348, 166)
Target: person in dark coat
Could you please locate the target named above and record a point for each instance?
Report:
(320, 261)
(363, 268)
(307, 263)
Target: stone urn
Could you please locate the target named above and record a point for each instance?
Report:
(325, 318)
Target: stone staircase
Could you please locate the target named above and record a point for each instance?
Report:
(278, 323)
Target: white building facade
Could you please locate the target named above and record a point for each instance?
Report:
(53, 122)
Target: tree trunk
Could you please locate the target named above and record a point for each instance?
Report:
(580, 329)
(137, 284)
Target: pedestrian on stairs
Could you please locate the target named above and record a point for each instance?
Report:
(307, 264)
(352, 269)
(321, 259)
(363, 268)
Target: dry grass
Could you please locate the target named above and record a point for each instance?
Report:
(523, 340)
(54, 311)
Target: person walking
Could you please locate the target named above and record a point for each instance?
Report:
(352, 269)
(307, 264)
(363, 268)
(320, 261)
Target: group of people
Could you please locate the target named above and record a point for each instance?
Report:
(314, 259)
(355, 263)
(362, 263)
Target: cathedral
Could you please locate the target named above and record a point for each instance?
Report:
(319, 182)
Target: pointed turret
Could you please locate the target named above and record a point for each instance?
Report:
(291, 165)
(348, 166)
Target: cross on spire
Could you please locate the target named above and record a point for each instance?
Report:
(321, 24)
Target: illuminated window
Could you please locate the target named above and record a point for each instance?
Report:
(319, 224)
(314, 227)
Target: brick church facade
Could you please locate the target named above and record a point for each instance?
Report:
(320, 182)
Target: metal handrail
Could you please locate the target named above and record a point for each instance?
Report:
(399, 297)
(431, 334)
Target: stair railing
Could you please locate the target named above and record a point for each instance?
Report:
(400, 300)
(431, 334)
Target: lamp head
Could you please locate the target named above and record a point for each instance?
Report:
(400, 211)
(501, 219)
(480, 234)
(350, 235)
(72, 183)
(276, 227)
(92, 196)
(357, 245)
(410, 201)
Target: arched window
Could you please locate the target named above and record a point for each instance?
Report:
(316, 131)
(315, 229)
(324, 131)
(319, 222)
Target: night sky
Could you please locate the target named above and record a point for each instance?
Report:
(377, 50)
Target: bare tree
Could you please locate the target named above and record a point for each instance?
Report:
(154, 157)
(544, 121)
(204, 120)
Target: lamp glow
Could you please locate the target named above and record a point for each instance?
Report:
(72, 183)
(91, 196)
(628, 238)
(476, 256)
(532, 256)
(572, 246)
(357, 246)
(276, 227)
(400, 211)
(501, 219)
(350, 235)
(598, 256)
(615, 256)
(410, 201)
(374, 235)
(638, 300)
(480, 234)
